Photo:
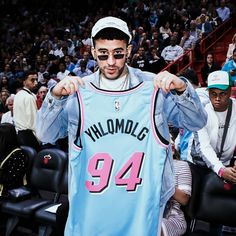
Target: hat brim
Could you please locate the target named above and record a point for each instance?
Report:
(218, 86)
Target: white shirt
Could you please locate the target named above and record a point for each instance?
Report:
(114, 85)
(62, 75)
(25, 110)
(171, 53)
(7, 118)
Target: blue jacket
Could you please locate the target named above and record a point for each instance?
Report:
(230, 65)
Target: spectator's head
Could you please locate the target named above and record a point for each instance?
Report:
(30, 80)
(191, 75)
(42, 92)
(83, 65)
(209, 58)
(9, 102)
(4, 94)
(203, 18)
(193, 25)
(222, 3)
(173, 40)
(219, 87)
(62, 66)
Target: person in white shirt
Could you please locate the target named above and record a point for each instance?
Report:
(209, 147)
(187, 42)
(25, 111)
(63, 71)
(206, 148)
(223, 11)
(173, 51)
(8, 116)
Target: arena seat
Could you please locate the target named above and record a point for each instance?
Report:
(210, 201)
(45, 181)
(31, 153)
(47, 220)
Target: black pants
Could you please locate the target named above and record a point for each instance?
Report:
(27, 138)
(61, 218)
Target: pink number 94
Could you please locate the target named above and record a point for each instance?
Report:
(100, 166)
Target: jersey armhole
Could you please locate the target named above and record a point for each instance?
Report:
(79, 131)
(160, 139)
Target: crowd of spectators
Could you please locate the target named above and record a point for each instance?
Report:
(53, 41)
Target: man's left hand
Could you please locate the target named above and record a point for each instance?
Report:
(167, 81)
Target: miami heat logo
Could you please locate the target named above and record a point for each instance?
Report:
(117, 105)
(46, 158)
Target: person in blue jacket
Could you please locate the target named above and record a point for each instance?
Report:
(230, 66)
(117, 119)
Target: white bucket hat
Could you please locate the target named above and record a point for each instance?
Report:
(111, 22)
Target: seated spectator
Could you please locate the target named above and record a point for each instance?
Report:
(231, 48)
(14, 168)
(215, 20)
(208, 67)
(42, 70)
(82, 70)
(223, 11)
(156, 62)
(91, 64)
(51, 80)
(8, 116)
(230, 66)
(185, 20)
(203, 11)
(187, 41)
(204, 26)
(41, 94)
(4, 83)
(153, 19)
(210, 148)
(165, 31)
(139, 59)
(69, 64)
(195, 32)
(4, 94)
(173, 222)
(63, 72)
(173, 51)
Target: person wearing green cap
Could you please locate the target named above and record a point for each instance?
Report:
(214, 145)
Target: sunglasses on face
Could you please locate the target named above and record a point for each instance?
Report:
(105, 57)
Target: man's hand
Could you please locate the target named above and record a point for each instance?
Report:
(167, 81)
(67, 86)
(229, 174)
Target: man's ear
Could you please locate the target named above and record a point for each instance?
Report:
(129, 49)
(93, 53)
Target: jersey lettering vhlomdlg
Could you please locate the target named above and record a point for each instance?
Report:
(116, 164)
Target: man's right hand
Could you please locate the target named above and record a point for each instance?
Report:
(67, 86)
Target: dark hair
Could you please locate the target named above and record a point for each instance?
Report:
(110, 34)
(234, 50)
(8, 139)
(27, 73)
(191, 75)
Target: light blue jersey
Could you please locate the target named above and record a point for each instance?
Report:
(117, 164)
